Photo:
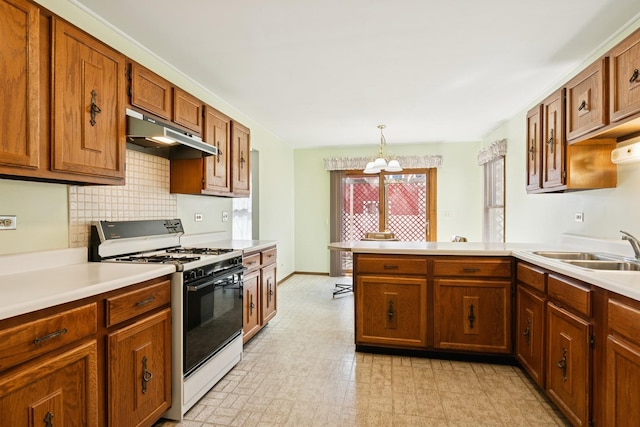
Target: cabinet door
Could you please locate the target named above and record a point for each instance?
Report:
(534, 149)
(187, 110)
(472, 315)
(624, 63)
(269, 298)
(587, 100)
(139, 371)
(240, 163)
(391, 311)
(568, 373)
(217, 133)
(623, 375)
(62, 389)
(553, 139)
(19, 103)
(88, 105)
(251, 304)
(530, 333)
(150, 92)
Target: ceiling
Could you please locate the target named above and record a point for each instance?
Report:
(326, 73)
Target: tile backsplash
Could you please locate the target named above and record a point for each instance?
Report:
(144, 196)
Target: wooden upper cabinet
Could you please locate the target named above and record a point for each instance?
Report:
(587, 100)
(150, 92)
(187, 110)
(19, 104)
(553, 139)
(534, 148)
(240, 163)
(88, 124)
(217, 132)
(624, 66)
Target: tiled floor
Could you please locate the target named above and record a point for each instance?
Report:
(302, 370)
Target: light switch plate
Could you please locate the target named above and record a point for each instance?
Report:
(579, 217)
(8, 222)
(198, 217)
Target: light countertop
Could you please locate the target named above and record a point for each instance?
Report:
(38, 280)
(623, 282)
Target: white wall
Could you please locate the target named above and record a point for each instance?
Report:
(459, 196)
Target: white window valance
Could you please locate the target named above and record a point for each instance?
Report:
(407, 162)
(492, 152)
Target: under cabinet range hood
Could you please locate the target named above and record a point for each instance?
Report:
(151, 136)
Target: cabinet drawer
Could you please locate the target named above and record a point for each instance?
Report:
(252, 261)
(131, 304)
(532, 276)
(32, 339)
(472, 267)
(391, 264)
(571, 294)
(269, 256)
(624, 320)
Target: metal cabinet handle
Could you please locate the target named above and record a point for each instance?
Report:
(527, 330)
(219, 151)
(251, 305)
(562, 364)
(471, 316)
(390, 267)
(390, 312)
(582, 106)
(242, 160)
(532, 150)
(48, 420)
(94, 109)
(145, 301)
(470, 269)
(146, 375)
(51, 335)
(634, 76)
(550, 141)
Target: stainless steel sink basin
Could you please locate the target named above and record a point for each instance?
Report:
(606, 265)
(579, 256)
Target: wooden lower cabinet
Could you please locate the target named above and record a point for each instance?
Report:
(251, 305)
(530, 333)
(472, 315)
(622, 363)
(568, 373)
(60, 390)
(391, 311)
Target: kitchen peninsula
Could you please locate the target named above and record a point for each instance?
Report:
(574, 330)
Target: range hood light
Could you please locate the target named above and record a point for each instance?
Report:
(162, 140)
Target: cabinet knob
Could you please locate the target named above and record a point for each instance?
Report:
(582, 106)
(550, 141)
(471, 316)
(634, 76)
(527, 330)
(48, 420)
(94, 110)
(146, 375)
(562, 364)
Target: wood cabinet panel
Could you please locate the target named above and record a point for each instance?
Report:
(217, 132)
(588, 100)
(570, 293)
(62, 388)
(187, 110)
(472, 315)
(623, 379)
(251, 303)
(472, 267)
(88, 106)
(240, 159)
(139, 371)
(534, 149)
(391, 311)
(391, 264)
(569, 361)
(269, 294)
(553, 140)
(532, 276)
(19, 103)
(150, 92)
(530, 333)
(624, 63)
(252, 262)
(131, 304)
(32, 339)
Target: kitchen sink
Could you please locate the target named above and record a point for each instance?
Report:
(578, 256)
(606, 265)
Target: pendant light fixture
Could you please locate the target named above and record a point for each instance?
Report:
(380, 163)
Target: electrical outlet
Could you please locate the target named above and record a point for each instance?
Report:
(198, 217)
(225, 216)
(8, 222)
(579, 217)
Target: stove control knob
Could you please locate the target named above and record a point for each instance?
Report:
(200, 272)
(190, 275)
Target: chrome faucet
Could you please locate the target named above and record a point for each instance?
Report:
(635, 243)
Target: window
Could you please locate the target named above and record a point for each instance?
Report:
(493, 218)
(402, 203)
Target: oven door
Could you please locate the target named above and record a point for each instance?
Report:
(212, 316)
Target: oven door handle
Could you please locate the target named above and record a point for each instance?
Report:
(215, 280)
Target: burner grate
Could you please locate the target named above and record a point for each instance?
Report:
(199, 251)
